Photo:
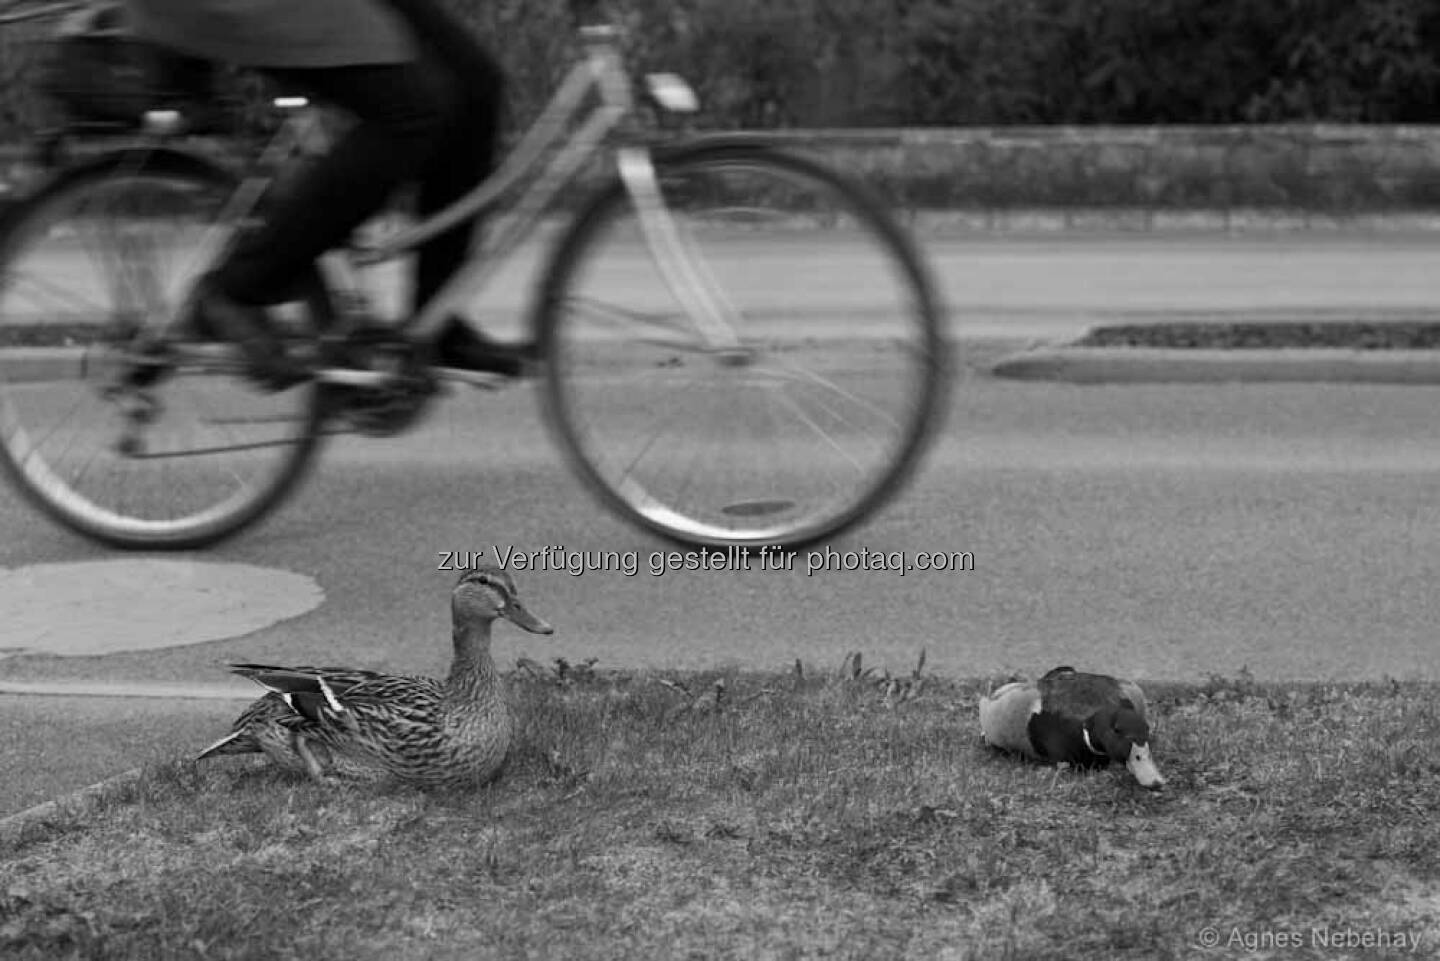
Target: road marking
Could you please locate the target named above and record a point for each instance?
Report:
(101, 607)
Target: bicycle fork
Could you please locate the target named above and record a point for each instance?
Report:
(685, 272)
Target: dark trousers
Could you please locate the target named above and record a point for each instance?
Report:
(432, 122)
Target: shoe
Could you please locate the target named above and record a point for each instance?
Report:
(461, 347)
(215, 316)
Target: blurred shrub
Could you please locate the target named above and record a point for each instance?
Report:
(828, 63)
(856, 63)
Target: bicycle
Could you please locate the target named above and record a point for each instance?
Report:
(711, 426)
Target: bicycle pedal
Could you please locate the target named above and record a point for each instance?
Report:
(355, 377)
(381, 412)
(479, 379)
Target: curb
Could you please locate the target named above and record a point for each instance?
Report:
(181, 692)
(13, 827)
(1153, 365)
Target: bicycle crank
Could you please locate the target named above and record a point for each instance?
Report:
(392, 406)
(139, 408)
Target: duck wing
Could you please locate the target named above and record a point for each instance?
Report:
(327, 698)
(300, 680)
(376, 705)
(1136, 697)
(1076, 695)
(402, 694)
(1058, 737)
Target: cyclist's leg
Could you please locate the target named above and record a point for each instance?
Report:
(468, 148)
(401, 112)
(467, 155)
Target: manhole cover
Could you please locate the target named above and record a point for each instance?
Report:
(99, 607)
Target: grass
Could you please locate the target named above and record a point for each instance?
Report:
(1224, 335)
(780, 816)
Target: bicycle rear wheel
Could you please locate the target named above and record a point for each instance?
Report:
(820, 414)
(93, 268)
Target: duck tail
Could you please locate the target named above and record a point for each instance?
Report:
(236, 742)
(325, 682)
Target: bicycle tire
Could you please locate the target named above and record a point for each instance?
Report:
(21, 456)
(676, 524)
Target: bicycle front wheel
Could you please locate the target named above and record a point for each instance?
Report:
(129, 453)
(816, 412)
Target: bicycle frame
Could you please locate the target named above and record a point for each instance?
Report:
(601, 71)
(34, 13)
(571, 138)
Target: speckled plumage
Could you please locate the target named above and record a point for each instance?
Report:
(364, 724)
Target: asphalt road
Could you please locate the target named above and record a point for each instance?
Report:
(1163, 532)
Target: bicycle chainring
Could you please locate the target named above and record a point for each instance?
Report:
(389, 409)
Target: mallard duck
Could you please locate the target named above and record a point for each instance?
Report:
(347, 722)
(1069, 717)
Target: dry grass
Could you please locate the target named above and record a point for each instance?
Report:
(847, 815)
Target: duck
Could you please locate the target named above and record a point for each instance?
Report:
(1071, 717)
(349, 723)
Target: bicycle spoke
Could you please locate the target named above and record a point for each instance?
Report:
(620, 321)
(821, 432)
(79, 474)
(793, 374)
(133, 440)
(66, 420)
(108, 265)
(810, 419)
(52, 289)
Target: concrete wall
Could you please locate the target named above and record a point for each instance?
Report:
(1147, 175)
(1334, 169)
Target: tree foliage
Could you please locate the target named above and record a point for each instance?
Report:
(758, 63)
(924, 62)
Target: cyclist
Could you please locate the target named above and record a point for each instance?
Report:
(426, 99)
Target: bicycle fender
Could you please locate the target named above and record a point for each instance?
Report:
(151, 159)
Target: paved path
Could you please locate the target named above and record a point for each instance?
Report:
(1020, 285)
(1028, 285)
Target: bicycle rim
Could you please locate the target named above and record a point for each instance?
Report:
(822, 415)
(89, 267)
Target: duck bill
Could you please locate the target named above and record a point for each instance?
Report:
(520, 616)
(1143, 768)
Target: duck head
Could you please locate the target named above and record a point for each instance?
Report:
(1121, 734)
(485, 593)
